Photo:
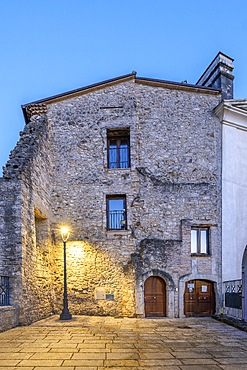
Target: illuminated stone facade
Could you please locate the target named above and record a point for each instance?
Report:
(61, 176)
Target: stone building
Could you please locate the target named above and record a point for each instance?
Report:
(132, 166)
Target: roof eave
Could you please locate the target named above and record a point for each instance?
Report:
(88, 88)
(120, 79)
(177, 85)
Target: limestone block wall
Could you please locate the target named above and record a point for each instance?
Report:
(60, 167)
(30, 163)
(174, 176)
(97, 284)
(10, 244)
(8, 318)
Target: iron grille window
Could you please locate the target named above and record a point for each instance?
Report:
(4, 291)
(118, 148)
(200, 240)
(233, 300)
(116, 212)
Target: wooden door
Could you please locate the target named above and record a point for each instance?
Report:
(199, 298)
(155, 297)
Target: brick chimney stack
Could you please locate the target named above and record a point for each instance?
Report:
(219, 75)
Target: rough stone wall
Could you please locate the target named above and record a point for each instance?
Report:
(60, 166)
(92, 276)
(8, 318)
(79, 198)
(179, 180)
(10, 242)
(174, 176)
(30, 163)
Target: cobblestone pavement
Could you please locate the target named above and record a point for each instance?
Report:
(97, 343)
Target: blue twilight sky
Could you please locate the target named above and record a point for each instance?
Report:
(53, 46)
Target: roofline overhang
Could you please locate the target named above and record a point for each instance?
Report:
(76, 92)
(87, 88)
(177, 85)
(116, 80)
(230, 115)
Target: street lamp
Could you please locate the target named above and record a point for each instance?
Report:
(65, 315)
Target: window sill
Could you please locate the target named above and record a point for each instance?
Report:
(200, 255)
(118, 169)
(111, 233)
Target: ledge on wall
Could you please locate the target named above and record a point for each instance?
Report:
(237, 323)
(116, 233)
(7, 318)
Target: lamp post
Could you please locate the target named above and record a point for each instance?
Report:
(65, 315)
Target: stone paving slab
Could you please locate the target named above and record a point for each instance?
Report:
(97, 343)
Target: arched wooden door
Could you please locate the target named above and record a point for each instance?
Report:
(155, 297)
(199, 298)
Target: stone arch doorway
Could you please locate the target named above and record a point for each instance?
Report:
(155, 297)
(244, 283)
(199, 298)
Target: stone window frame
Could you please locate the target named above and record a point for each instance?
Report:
(110, 197)
(199, 229)
(118, 134)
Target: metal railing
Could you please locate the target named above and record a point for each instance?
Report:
(233, 294)
(4, 291)
(233, 300)
(116, 220)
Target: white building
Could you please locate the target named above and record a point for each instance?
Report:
(233, 116)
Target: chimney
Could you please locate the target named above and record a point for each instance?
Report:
(218, 75)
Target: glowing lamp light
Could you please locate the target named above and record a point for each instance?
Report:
(64, 233)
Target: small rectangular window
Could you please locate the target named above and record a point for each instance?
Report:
(118, 148)
(116, 212)
(199, 240)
